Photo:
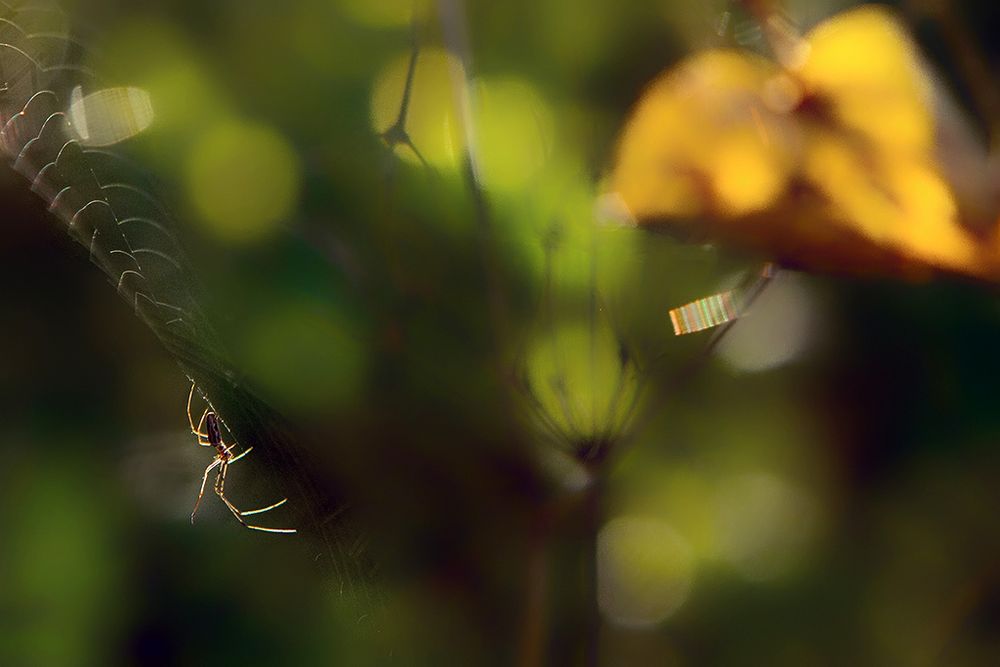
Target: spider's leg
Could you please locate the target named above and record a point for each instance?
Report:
(220, 479)
(285, 531)
(264, 509)
(239, 517)
(204, 480)
(220, 491)
(202, 437)
(190, 418)
(240, 455)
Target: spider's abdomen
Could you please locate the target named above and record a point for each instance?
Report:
(214, 433)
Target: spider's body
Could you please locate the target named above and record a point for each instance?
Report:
(215, 435)
(223, 458)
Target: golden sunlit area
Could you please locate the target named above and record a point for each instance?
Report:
(439, 332)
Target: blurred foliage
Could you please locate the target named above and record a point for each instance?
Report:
(399, 213)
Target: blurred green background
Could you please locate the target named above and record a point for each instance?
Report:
(487, 371)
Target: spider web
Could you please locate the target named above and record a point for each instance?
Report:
(128, 233)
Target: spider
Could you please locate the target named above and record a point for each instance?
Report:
(224, 457)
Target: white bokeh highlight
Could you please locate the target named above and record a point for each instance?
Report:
(645, 571)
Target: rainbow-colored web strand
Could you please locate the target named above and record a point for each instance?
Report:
(718, 309)
(705, 313)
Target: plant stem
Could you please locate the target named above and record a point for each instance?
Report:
(531, 646)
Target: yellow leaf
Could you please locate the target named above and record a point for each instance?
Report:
(864, 65)
(828, 164)
(702, 138)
